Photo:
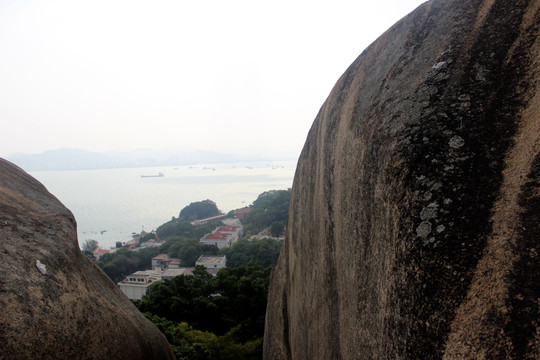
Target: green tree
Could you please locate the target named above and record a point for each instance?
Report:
(234, 298)
(90, 245)
(123, 262)
(277, 228)
(148, 236)
(177, 227)
(262, 252)
(269, 207)
(199, 210)
(191, 344)
(190, 252)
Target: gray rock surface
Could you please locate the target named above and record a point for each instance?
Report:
(413, 229)
(55, 303)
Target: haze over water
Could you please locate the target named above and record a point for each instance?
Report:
(109, 205)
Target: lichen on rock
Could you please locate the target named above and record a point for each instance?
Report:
(415, 199)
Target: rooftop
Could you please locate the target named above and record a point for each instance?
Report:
(211, 259)
(218, 236)
(176, 272)
(165, 257)
(229, 228)
(146, 273)
(142, 278)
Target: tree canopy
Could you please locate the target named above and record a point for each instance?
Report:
(177, 227)
(90, 245)
(187, 250)
(234, 300)
(191, 344)
(123, 262)
(206, 317)
(269, 208)
(262, 252)
(199, 210)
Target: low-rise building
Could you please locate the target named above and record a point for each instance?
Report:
(99, 252)
(212, 262)
(242, 213)
(223, 237)
(204, 221)
(234, 231)
(136, 285)
(152, 243)
(133, 243)
(170, 274)
(218, 239)
(163, 261)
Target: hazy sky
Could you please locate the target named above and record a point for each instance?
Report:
(219, 75)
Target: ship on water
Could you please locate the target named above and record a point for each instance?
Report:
(160, 174)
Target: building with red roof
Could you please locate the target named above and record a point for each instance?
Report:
(222, 237)
(99, 252)
(242, 213)
(163, 261)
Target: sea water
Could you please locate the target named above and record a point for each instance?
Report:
(112, 204)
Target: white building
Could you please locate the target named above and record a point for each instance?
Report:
(137, 284)
(222, 237)
(152, 243)
(170, 274)
(163, 261)
(204, 221)
(235, 231)
(218, 239)
(212, 262)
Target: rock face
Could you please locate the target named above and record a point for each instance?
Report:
(55, 303)
(414, 221)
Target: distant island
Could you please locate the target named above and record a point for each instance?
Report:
(75, 159)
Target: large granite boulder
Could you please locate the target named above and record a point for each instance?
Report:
(414, 224)
(55, 303)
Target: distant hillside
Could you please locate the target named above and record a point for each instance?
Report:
(74, 159)
(63, 159)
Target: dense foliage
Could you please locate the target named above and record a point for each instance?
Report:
(205, 317)
(184, 228)
(190, 344)
(182, 238)
(123, 262)
(148, 236)
(187, 250)
(231, 304)
(199, 210)
(271, 208)
(262, 252)
(89, 245)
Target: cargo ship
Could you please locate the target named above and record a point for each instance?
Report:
(156, 175)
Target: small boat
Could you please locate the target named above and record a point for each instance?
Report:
(156, 175)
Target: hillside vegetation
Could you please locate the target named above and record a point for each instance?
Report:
(271, 209)
(206, 317)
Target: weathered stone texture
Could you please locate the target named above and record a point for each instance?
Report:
(415, 215)
(72, 311)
